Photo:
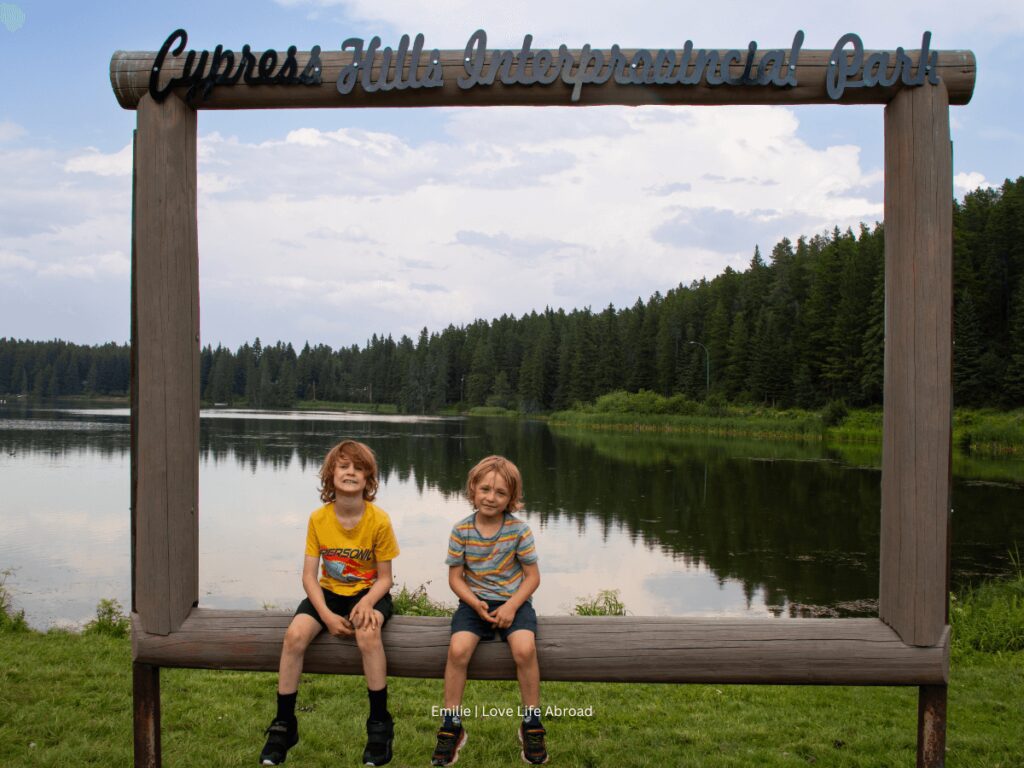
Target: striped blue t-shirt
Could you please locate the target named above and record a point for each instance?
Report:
(493, 565)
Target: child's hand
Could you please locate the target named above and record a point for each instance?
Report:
(339, 626)
(484, 611)
(363, 616)
(503, 615)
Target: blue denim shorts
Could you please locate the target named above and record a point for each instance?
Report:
(468, 620)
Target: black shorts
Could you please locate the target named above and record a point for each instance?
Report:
(468, 620)
(343, 605)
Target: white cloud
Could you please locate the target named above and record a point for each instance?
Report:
(506, 214)
(965, 182)
(14, 261)
(880, 23)
(115, 164)
(9, 130)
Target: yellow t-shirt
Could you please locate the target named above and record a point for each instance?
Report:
(348, 558)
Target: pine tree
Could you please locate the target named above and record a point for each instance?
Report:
(735, 378)
(967, 378)
(1013, 379)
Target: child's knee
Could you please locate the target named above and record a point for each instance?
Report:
(368, 638)
(523, 647)
(295, 641)
(460, 652)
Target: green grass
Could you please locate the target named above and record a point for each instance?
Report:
(492, 410)
(416, 602)
(10, 619)
(606, 603)
(326, 405)
(65, 700)
(989, 618)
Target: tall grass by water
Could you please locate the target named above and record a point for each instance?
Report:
(981, 431)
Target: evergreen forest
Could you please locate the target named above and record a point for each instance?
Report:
(801, 326)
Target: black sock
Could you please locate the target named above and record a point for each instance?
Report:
(286, 706)
(379, 704)
(451, 719)
(531, 717)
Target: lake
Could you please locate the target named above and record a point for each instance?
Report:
(680, 525)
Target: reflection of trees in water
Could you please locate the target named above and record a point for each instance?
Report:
(801, 530)
(780, 518)
(106, 437)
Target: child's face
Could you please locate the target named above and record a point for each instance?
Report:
(349, 480)
(490, 495)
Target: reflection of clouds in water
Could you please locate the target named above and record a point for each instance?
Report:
(65, 522)
(577, 558)
(699, 592)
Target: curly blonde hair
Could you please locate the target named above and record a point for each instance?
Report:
(508, 472)
(361, 456)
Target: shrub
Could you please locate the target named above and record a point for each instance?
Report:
(416, 602)
(110, 620)
(607, 603)
(10, 620)
(715, 404)
(834, 413)
(990, 618)
(681, 405)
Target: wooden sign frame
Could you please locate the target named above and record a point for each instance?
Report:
(907, 645)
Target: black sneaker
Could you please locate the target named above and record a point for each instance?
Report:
(535, 752)
(282, 735)
(379, 736)
(450, 739)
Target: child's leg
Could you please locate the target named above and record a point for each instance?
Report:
(523, 646)
(300, 634)
(460, 651)
(380, 729)
(375, 663)
(283, 733)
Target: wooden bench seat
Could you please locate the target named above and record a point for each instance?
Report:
(577, 648)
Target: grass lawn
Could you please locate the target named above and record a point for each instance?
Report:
(65, 700)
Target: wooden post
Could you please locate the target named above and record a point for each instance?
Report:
(146, 696)
(166, 350)
(918, 363)
(931, 726)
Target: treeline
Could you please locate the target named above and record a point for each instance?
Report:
(802, 327)
(59, 368)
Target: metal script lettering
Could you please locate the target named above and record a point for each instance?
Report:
(664, 67)
(844, 70)
(393, 72)
(218, 68)
(400, 69)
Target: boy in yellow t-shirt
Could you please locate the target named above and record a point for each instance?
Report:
(352, 539)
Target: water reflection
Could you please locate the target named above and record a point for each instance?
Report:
(680, 524)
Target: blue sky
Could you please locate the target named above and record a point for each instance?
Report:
(330, 225)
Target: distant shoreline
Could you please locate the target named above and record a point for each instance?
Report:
(982, 432)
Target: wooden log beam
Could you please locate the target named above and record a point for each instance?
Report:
(130, 73)
(918, 408)
(585, 649)
(165, 348)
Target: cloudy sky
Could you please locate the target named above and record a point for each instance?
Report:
(330, 225)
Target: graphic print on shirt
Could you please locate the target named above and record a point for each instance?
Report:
(340, 564)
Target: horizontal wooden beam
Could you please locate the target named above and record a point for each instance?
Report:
(130, 74)
(586, 649)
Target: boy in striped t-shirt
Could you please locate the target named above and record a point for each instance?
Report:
(493, 569)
